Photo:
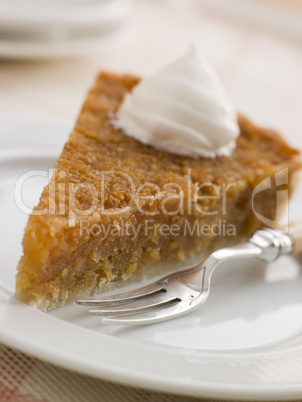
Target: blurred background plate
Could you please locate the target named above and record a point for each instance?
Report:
(48, 29)
(49, 45)
(53, 14)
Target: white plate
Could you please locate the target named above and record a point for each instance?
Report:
(55, 14)
(246, 342)
(50, 29)
(51, 45)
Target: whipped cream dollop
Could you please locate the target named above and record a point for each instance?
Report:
(183, 109)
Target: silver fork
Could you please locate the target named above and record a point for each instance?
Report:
(181, 292)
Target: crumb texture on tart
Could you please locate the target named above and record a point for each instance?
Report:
(64, 259)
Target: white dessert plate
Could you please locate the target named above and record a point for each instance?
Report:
(55, 14)
(55, 45)
(245, 342)
(51, 29)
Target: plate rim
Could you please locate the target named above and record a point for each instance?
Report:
(132, 377)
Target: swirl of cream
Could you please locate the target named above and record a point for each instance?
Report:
(182, 109)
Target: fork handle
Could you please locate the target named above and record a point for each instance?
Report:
(294, 230)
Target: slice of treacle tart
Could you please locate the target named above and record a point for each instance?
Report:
(116, 209)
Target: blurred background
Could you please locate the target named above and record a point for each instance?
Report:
(51, 51)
